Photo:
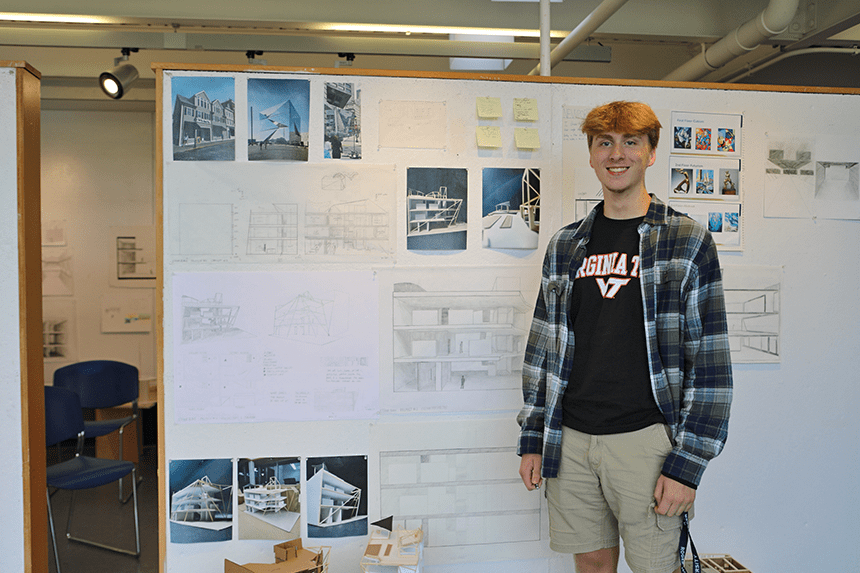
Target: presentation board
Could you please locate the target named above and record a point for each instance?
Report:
(350, 263)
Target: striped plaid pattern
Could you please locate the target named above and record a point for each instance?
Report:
(686, 334)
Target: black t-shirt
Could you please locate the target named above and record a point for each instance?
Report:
(610, 388)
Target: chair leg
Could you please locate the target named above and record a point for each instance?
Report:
(136, 552)
(136, 465)
(53, 535)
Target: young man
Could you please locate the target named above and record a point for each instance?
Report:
(627, 378)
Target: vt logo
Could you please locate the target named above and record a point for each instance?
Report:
(610, 287)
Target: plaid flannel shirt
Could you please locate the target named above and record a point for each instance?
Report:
(686, 337)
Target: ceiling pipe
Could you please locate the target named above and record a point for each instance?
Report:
(544, 65)
(785, 55)
(581, 33)
(773, 20)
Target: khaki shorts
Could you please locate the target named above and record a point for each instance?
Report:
(605, 487)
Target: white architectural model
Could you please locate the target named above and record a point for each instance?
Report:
(271, 497)
(398, 551)
(199, 501)
(432, 212)
(331, 500)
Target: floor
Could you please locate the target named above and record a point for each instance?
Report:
(99, 515)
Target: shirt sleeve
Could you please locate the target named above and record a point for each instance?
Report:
(707, 377)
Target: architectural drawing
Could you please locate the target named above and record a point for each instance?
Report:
(205, 229)
(311, 319)
(837, 181)
(433, 212)
(752, 311)
(453, 341)
(58, 330)
(274, 232)
(352, 226)
(393, 551)
(57, 278)
(459, 497)
(207, 318)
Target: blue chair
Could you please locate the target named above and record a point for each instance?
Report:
(64, 420)
(103, 384)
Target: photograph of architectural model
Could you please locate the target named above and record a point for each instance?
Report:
(268, 504)
(335, 494)
(278, 118)
(511, 208)
(436, 209)
(204, 119)
(201, 500)
(342, 121)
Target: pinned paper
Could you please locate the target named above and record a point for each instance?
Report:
(527, 138)
(489, 135)
(489, 107)
(525, 109)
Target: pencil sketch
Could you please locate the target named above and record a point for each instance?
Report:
(313, 319)
(360, 226)
(458, 496)
(447, 341)
(837, 181)
(206, 228)
(208, 318)
(57, 278)
(274, 232)
(753, 313)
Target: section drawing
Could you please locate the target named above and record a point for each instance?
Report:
(361, 226)
(274, 232)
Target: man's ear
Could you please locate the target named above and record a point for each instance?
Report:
(653, 157)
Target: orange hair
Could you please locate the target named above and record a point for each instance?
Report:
(626, 117)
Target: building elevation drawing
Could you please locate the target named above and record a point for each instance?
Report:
(452, 341)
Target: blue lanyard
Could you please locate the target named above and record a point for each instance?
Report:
(682, 546)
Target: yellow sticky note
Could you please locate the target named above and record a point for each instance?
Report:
(489, 136)
(527, 138)
(489, 107)
(525, 109)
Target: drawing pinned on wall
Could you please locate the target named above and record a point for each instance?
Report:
(274, 232)
(458, 338)
(697, 133)
(124, 312)
(511, 208)
(436, 209)
(342, 109)
(722, 219)
(59, 330)
(336, 496)
(204, 118)
(279, 112)
(57, 277)
(201, 500)
(313, 319)
(54, 233)
(362, 226)
(269, 502)
(272, 347)
(132, 254)
(807, 178)
(753, 307)
(287, 213)
(413, 124)
(704, 178)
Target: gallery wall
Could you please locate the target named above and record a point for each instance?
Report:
(438, 446)
(97, 176)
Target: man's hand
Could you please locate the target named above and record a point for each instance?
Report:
(530, 470)
(673, 498)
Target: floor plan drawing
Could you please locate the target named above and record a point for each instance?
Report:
(752, 312)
